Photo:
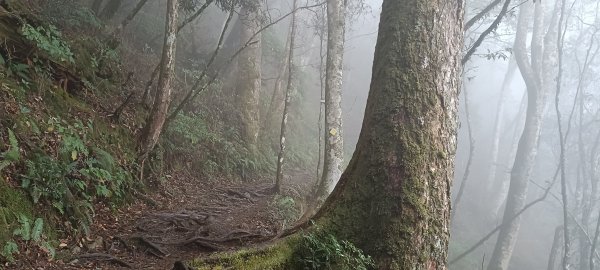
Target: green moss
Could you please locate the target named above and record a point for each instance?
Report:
(13, 202)
(273, 257)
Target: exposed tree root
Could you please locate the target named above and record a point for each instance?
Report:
(104, 257)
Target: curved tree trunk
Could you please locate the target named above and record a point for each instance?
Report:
(393, 200)
(555, 250)
(498, 121)
(249, 78)
(334, 144)
(537, 78)
(159, 111)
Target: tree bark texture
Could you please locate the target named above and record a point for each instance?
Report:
(393, 200)
(334, 144)
(249, 78)
(162, 99)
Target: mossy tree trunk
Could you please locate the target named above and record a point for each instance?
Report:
(249, 76)
(393, 200)
(162, 99)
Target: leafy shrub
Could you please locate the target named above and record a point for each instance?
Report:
(322, 250)
(28, 231)
(286, 208)
(12, 154)
(49, 40)
(78, 175)
(190, 137)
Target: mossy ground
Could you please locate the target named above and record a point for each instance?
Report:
(274, 257)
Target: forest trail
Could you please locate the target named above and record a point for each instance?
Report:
(187, 220)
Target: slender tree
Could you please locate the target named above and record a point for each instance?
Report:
(162, 99)
(286, 105)
(334, 144)
(538, 74)
(467, 172)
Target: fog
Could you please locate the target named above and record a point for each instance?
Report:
(481, 209)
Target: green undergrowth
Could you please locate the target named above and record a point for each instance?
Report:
(58, 156)
(202, 145)
(315, 250)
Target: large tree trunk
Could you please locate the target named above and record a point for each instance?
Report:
(537, 79)
(334, 144)
(249, 78)
(393, 200)
(162, 99)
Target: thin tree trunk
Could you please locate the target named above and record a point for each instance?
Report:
(589, 202)
(277, 88)
(190, 95)
(334, 142)
(527, 150)
(562, 139)
(554, 251)
(288, 97)
(249, 79)
(179, 28)
(162, 99)
(320, 123)
(131, 15)
(499, 191)
(465, 178)
(498, 121)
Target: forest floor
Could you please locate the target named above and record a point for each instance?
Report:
(187, 218)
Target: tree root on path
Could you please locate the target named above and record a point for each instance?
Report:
(153, 248)
(104, 257)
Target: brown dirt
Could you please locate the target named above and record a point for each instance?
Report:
(186, 218)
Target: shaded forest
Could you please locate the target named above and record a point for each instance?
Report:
(299, 134)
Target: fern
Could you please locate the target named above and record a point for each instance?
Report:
(37, 229)
(24, 231)
(9, 249)
(12, 155)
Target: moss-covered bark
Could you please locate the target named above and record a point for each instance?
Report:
(393, 200)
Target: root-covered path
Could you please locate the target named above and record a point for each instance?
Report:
(187, 218)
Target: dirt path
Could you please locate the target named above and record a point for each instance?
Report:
(189, 219)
